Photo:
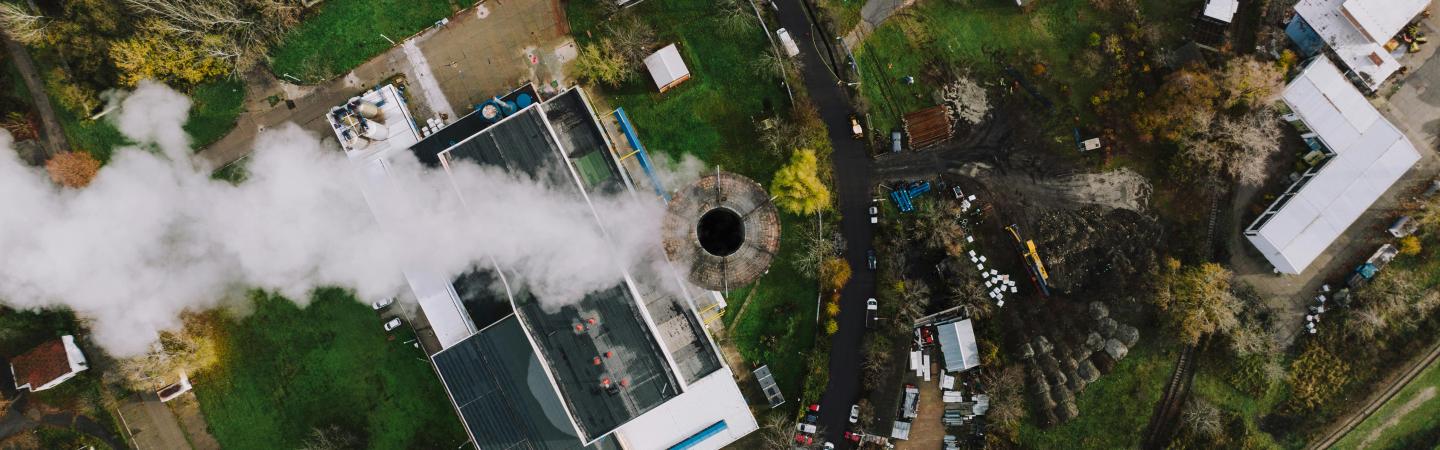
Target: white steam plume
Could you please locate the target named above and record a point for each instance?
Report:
(153, 236)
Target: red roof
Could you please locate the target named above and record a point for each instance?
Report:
(41, 364)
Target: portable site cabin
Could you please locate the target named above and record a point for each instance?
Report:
(667, 68)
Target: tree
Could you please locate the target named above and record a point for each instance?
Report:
(834, 273)
(1240, 147)
(72, 95)
(159, 53)
(937, 226)
(599, 63)
(22, 26)
(797, 187)
(192, 349)
(1316, 376)
(1249, 82)
(1410, 245)
(771, 63)
(736, 16)
(1202, 417)
(72, 169)
(832, 309)
(331, 438)
(780, 137)
(967, 292)
(1185, 105)
(867, 413)
(776, 432)
(831, 326)
(1007, 401)
(237, 32)
(633, 38)
(816, 247)
(21, 126)
(1197, 300)
(914, 298)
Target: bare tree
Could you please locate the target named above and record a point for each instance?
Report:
(22, 26)
(776, 432)
(772, 63)
(967, 292)
(633, 38)
(331, 438)
(1006, 390)
(1238, 147)
(781, 137)
(1202, 417)
(736, 16)
(816, 246)
(1249, 81)
(914, 297)
(237, 31)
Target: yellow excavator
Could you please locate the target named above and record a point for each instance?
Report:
(1032, 260)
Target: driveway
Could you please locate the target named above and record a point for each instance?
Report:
(483, 51)
(853, 186)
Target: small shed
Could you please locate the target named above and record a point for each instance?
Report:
(48, 365)
(957, 343)
(1221, 10)
(667, 68)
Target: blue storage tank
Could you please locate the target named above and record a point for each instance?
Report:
(523, 100)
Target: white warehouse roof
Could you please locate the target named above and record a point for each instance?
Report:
(667, 68)
(957, 343)
(1221, 10)
(1358, 51)
(1383, 19)
(1370, 155)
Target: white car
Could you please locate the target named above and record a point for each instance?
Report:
(854, 413)
(393, 324)
(383, 303)
(874, 214)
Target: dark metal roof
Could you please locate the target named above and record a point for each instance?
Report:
(428, 149)
(605, 324)
(501, 391)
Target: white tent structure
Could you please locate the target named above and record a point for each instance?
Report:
(1366, 155)
(667, 68)
(957, 343)
(1357, 30)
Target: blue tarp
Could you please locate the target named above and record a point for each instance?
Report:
(1305, 38)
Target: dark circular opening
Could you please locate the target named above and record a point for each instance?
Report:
(721, 231)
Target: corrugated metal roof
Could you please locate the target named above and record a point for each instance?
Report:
(1357, 50)
(1221, 10)
(1383, 19)
(957, 343)
(1371, 154)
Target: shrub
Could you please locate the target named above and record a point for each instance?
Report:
(1410, 245)
(1315, 377)
(73, 169)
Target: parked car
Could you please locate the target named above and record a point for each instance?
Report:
(872, 309)
(895, 138)
(874, 214)
(814, 407)
(804, 439)
(854, 413)
(788, 42)
(829, 446)
(856, 131)
(383, 303)
(393, 324)
(807, 428)
(852, 437)
(870, 258)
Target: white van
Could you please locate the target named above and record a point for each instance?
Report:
(789, 43)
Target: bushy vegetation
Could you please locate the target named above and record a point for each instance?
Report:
(284, 372)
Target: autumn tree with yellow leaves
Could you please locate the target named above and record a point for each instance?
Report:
(797, 187)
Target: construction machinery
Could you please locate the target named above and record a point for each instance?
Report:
(1032, 260)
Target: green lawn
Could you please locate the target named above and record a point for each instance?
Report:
(342, 34)
(966, 36)
(1409, 419)
(215, 105)
(712, 116)
(1115, 409)
(284, 371)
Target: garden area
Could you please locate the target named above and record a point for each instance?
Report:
(720, 117)
(286, 375)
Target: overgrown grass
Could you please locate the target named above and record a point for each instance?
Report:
(1115, 409)
(284, 371)
(713, 117)
(98, 137)
(1410, 418)
(343, 34)
(215, 105)
(983, 36)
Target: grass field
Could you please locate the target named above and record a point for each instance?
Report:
(971, 36)
(214, 107)
(342, 34)
(284, 371)
(1115, 409)
(1411, 419)
(712, 117)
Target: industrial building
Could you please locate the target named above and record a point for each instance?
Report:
(629, 367)
(1359, 33)
(1356, 155)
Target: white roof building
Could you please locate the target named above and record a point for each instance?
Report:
(957, 343)
(667, 68)
(1221, 10)
(1357, 30)
(1367, 154)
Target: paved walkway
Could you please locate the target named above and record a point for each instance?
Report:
(151, 425)
(871, 16)
(472, 58)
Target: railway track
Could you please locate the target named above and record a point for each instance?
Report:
(1390, 392)
(1157, 434)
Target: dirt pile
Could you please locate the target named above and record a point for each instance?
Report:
(1091, 247)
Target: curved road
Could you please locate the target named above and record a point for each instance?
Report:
(853, 184)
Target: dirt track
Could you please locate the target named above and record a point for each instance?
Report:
(1394, 387)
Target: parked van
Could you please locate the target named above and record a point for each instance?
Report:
(786, 41)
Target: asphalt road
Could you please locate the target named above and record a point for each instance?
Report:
(853, 185)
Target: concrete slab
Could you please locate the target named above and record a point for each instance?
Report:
(151, 425)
